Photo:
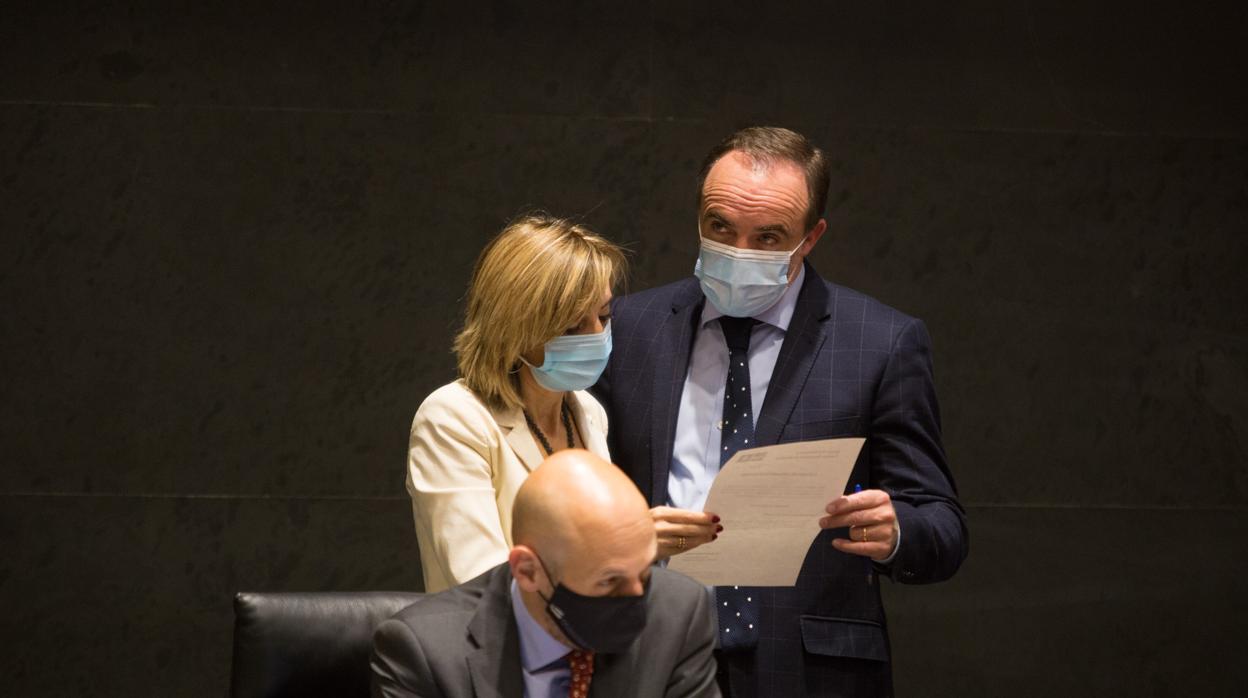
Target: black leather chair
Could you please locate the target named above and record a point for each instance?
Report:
(314, 644)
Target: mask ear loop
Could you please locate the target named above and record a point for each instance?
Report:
(522, 361)
(799, 245)
(556, 612)
(549, 577)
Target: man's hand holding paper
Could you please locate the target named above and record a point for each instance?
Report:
(871, 520)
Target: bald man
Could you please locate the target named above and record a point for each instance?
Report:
(577, 609)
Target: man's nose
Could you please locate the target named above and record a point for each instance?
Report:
(633, 587)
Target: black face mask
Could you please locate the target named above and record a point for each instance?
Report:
(606, 624)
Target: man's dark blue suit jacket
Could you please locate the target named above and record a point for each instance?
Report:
(849, 366)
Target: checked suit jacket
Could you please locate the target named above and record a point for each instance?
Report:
(849, 366)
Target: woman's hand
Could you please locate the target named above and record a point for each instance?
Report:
(681, 530)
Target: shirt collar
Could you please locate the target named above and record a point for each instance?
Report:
(778, 315)
(538, 648)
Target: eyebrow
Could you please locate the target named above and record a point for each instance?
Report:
(775, 227)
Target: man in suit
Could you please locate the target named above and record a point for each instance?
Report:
(576, 610)
(758, 349)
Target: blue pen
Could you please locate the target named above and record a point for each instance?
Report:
(857, 489)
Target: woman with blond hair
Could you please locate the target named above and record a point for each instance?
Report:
(536, 334)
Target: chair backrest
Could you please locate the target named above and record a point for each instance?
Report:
(315, 644)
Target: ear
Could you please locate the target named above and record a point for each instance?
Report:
(815, 233)
(804, 249)
(525, 568)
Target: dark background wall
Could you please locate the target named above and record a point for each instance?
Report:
(233, 242)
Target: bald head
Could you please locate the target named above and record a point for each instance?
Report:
(585, 520)
(571, 501)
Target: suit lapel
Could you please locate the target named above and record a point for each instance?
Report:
(801, 345)
(495, 665)
(587, 425)
(674, 341)
(518, 436)
(614, 675)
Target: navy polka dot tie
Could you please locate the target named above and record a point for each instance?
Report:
(737, 608)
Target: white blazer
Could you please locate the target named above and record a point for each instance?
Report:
(465, 462)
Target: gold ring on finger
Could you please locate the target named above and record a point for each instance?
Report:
(864, 533)
(680, 542)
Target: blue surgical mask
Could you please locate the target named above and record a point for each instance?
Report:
(573, 361)
(742, 283)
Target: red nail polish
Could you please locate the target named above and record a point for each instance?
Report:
(715, 537)
(714, 519)
(718, 529)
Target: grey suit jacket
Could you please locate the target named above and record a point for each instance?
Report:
(464, 642)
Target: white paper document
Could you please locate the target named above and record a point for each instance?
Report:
(769, 501)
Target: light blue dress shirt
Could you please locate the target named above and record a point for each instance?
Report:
(695, 453)
(542, 657)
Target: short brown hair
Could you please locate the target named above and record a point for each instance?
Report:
(534, 280)
(766, 144)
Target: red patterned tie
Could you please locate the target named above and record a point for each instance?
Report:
(582, 664)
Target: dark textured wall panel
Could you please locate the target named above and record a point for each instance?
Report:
(257, 301)
(1094, 410)
(1103, 67)
(1149, 229)
(133, 596)
(1079, 294)
(1064, 65)
(1080, 602)
(506, 57)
